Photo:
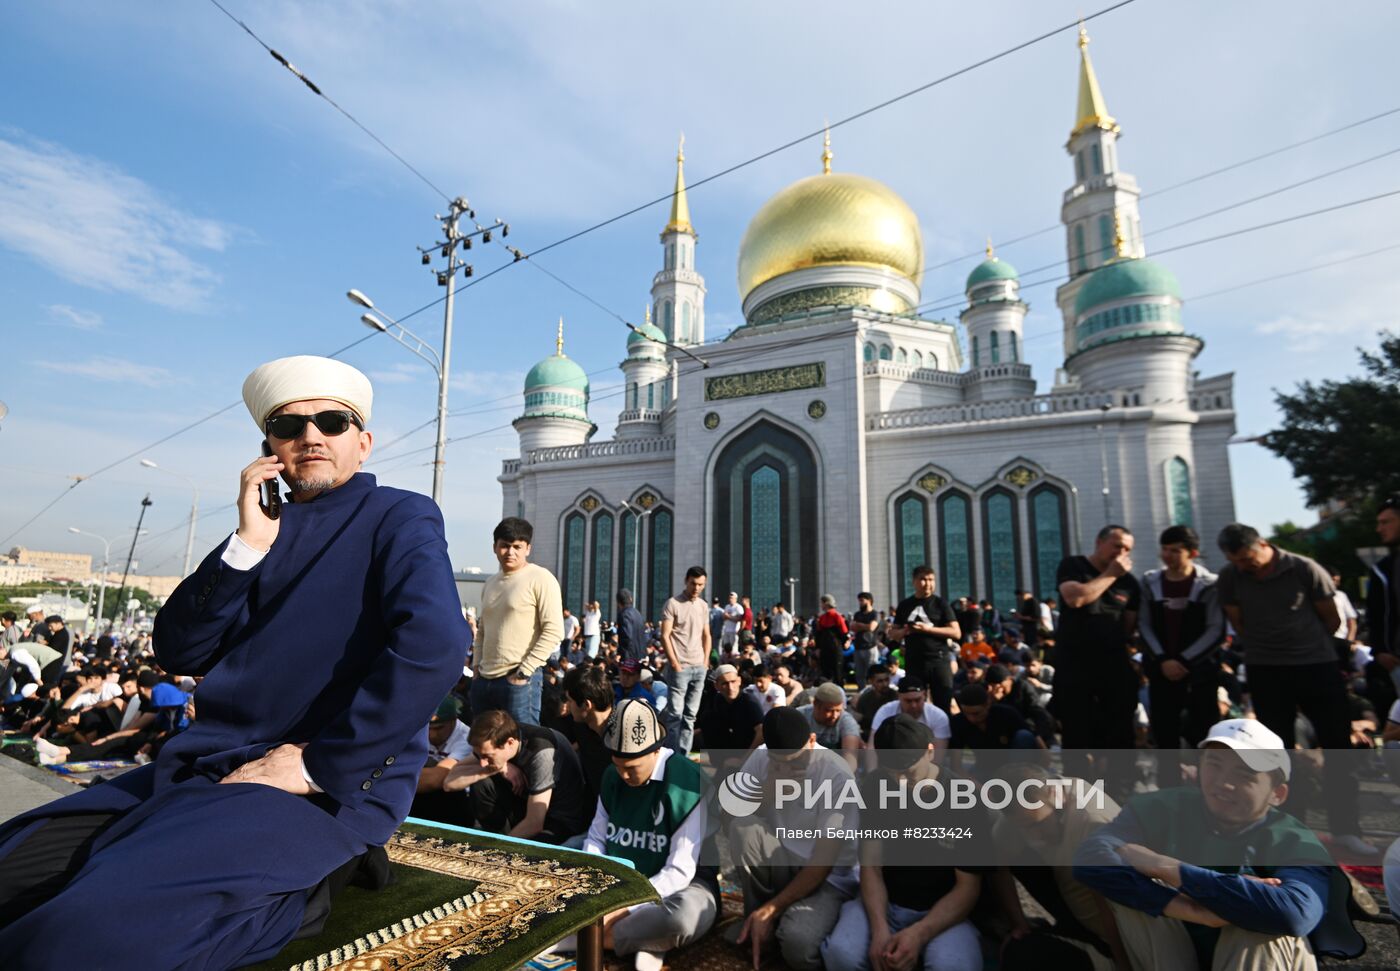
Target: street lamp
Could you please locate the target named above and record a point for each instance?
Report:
(102, 581)
(792, 594)
(194, 509)
(418, 346)
(639, 515)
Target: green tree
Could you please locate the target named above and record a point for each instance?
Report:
(1342, 438)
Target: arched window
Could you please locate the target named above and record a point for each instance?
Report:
(918, 359)
(668, 320)
(660, 587)
(1105, 238)
(1049, 529)
(996, 348)
(670, 256)
(886, 352)
(602, 569)
(1179, 480)
(932, 362)
(1097, 157)
(573, 562)
(1079, 265)
(1079, 166)
(901, 356)
(685, 322)
(1003, 553)
(766, 535)
(651, 395)
(634, 396)
(976, 352)
(868, 352)
(955, 546)
(1015, 351)
(911, 539)
(627, 562)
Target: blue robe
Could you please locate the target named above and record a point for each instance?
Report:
(346, 637)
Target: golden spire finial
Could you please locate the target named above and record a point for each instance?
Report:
(1120, 245)
(648, 314)
(826, 152)
(1083, 35)
(1090, 112)
(680, 208)
(990, 254)
(559, 341)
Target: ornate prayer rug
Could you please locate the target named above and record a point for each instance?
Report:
(465, 900)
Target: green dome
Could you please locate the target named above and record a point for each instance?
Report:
(645, 334)
(557, 372)
(1121, 279)
(989, 271)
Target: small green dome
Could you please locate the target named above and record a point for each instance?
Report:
(646, 334)
(1121, 279)
(557, 372)
(991, 270)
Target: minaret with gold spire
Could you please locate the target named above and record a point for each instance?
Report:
(1102, 204)
(556, 402)
(678, 291)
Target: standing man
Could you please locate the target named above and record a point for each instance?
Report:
(864, 624)
(631, 629)
(926, 626)
(780, 627)
(1280, 604)
(1383, 596)
(1095, 684)
(685, 637)
(733, 618)
(522, 624)
(351, 589)
(592, 627)
(1183, 627)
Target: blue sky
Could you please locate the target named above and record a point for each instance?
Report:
(175, 208)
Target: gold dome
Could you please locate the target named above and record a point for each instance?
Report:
(834, 219)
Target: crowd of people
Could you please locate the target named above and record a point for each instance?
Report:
(605, 731)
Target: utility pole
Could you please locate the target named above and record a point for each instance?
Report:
(448, 279)
(145, 504)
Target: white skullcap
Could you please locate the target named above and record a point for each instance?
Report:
(305, 378)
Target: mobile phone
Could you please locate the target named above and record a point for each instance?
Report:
(271, 504)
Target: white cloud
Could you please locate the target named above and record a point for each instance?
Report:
(113, 369)
(494, 383)
(403, 374)
(65, 316)
(94, 225)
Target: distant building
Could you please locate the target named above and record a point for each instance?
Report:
(13, 574)
(69, 566)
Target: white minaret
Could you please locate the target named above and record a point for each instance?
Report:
(556, 403)
(994, 319)
(647, 386)
(678, 291)
(1103, 200)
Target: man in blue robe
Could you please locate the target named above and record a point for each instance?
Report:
(326, 637)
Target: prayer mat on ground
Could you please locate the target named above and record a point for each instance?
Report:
(461, 900)
(96, 765)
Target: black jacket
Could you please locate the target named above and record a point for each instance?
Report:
(1203, 627)
(1382, 618)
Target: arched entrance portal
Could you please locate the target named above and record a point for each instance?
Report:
(765, 526)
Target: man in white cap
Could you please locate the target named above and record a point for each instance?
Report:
(1219, 876)
(651, 811)
(326, 636)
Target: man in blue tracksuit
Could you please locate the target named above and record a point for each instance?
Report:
(326, 638)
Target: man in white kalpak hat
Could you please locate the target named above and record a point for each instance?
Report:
(327, 633)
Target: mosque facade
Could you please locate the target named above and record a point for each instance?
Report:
(841, 437)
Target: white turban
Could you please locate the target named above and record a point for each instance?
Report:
(305, 378)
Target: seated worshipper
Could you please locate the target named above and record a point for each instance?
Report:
(976, 648)
(447, 746)
(782, 677)
(912, 700)
(525, 782)
(1265, 894)
(1012, 650)
(1003, 689)
(652, 814)
(589, 697)
(1036, 838)
(166, 716)
(765, 690)
(730, 721)
(1040, 678)
(916, 894)
(629, 682)
(834, 726)
(659, 691)
(876, 694)
(243, 816)
(987, 727)
(794, 882)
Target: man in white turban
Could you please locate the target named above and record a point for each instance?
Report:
(326, 636)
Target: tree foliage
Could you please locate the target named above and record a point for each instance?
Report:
(1342, 438)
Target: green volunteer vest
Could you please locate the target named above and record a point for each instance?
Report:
(642, 820)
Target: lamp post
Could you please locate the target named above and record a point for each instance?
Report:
(638, 515)
(194, 509)
(792, 594)
(1103, 465)
(102, 579)
(418, 346)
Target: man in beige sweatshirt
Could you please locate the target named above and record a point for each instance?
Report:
(522, 623)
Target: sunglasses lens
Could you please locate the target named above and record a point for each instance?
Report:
(286, 426)
(333, 422)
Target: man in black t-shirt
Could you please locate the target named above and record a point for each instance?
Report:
(987, 726)
(926, 626)
(1095, 684)
(864, 623)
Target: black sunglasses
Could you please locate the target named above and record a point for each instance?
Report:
(329, 422)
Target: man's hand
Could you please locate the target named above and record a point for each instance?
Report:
(758, 927)
(879, 941)
(516, 778)
(254, 528)
(517, 679)
(1151, 864)
(1120, 565)
(1174, 670)
(903, 951)
(280, 768)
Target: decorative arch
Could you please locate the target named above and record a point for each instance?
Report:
(886, 352)
(901, 356)
(1179, 491)
(572, 554)
(920, 533)
(868, 352)
(918, 359)
(659, 555)
(765, 503)
(1048, 506)
(668, 319)
(685, 322)
(1002, 546)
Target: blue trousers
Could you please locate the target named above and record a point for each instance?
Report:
(198, 875)
(520, 701)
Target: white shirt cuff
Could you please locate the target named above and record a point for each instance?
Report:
(238, 555)
(307, 775)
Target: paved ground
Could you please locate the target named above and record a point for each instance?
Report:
(22, 787)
